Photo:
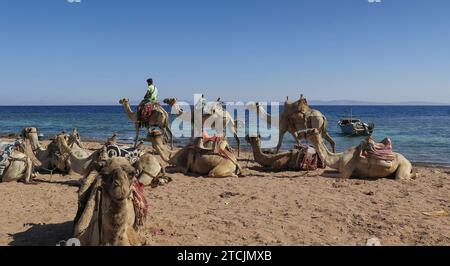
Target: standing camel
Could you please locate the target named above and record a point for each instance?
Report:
(217, 114)
(159, 118)
(297, 116)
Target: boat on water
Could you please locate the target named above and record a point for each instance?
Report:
(355, 127)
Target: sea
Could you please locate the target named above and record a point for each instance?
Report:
(421, 133)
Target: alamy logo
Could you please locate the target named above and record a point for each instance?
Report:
(74, 1)
(374, 1)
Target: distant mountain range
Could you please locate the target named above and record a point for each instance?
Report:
(352, 102)
(311, 102)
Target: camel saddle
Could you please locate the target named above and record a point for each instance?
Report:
(308, 159)
(5, 155)
(217, 146)
(144, 113)
(140, 203)
(382, 151)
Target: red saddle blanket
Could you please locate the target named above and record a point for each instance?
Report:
(139, 202)
(308, 159)
(381, 151)
(145, 112)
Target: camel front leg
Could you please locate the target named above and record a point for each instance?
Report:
(136, 138)
(222, 171)
(29, 171)
(171, 137)
(327, 136)
(281, 133)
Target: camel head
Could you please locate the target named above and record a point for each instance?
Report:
(117, 176)
(74, 138)
(311, 134)
(173, 102)
(170, 101)
(29, 132)
(303, 104)
(62, 140)
(124, 101)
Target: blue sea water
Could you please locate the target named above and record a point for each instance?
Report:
(421, 133)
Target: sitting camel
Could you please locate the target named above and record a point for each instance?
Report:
(297, 116)
(15, 165)
(293, 160)
(46, 155)
(159, 118)
(217, 114)
(198, 160)
(150, 170)
(111, 206)
(352, 163)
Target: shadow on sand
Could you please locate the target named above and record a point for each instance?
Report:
(43, 235)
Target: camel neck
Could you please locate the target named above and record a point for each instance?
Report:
(130, 113)
(81, 165)
(165, 154)
(330, 159)
(264, 159)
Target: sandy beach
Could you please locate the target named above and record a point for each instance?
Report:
(264, 208)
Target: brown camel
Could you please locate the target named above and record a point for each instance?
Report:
(285, 161)
(351, 163)
(107, 213)
(197, 160)
(297, 116)
(217, 114)
(159, 118)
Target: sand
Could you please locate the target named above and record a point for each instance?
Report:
(264, 208)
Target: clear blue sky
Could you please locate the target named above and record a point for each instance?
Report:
(98, 51)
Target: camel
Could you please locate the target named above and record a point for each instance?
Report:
(193, 160)
(351, 163)
(285, 161)
(218, 114)
(109, 210)
(43, 155)
(159, 118)
(297, 116)
(16, 166)
(151, 173)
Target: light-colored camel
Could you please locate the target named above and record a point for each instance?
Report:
(106, 214)
(192, 160)
(217, 114)
(351, 163)
(151, 173)
(158, 118)
(42, 153)
(18, 166)
(284, 161)
(297, 116)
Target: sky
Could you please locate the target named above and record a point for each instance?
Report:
(98, 51)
